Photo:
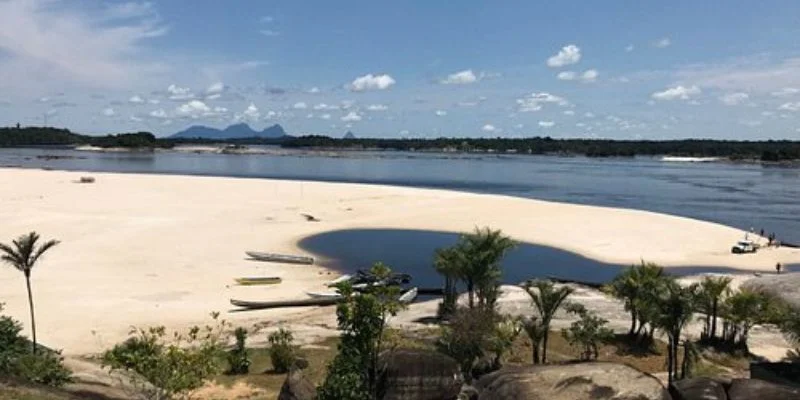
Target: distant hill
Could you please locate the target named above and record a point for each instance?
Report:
(349, 135)
(232, 132)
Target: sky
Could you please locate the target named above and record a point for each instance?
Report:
(421, 68)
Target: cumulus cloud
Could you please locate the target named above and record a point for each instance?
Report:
(160, 113)
(758, 74)
(489, 128)
(325, 116)
(546, 124)
(109, 112)
(441, 113)
(460, 78)
(569, 54)
(535, 101)
(352, 116)
(377, 107)
(372, 82)
(136, 99)
(679, 92)
(193, 109)
(733, 99)
(251, 113)
(215, 88)
(269, 32)
(629, 48)
(662, 43)
(323, 106)
(590, 75)
(794, 106)
(567, 75)
(179, 93)
(785, 92)
(300, 105)
(569, 112)
(313, 90)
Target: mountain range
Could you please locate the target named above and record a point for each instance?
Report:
(231, 132)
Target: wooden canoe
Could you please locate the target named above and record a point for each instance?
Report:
(266, 280)
(261, 305)
(280, 258)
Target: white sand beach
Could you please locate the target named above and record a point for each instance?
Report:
(164, 250)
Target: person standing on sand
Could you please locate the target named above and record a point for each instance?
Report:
(778, 268)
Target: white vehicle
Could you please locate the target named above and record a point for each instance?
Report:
(744, 246)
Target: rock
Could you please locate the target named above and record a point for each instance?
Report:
(297, 387)
(749, 389)
(419, 374)
(593, 380)
(697, 389)
(784, 286)
(468, 393)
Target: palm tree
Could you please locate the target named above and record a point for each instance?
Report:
(676, 308)
(482, 252)
(547, 300)
(712, 291)
(448, 262)
(638, 287)
(23, 256)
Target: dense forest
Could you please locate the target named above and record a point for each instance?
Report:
(769, 151)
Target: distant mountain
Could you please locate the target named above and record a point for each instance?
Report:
(232, 132)
(349, 135)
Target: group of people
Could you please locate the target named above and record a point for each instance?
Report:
(771, 240)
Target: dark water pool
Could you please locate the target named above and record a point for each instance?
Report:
(411, 251)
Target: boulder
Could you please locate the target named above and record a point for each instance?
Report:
(748, 389)
(297, 387)
(784, 286)
(419, 374)
(592, 380)
(697, 389)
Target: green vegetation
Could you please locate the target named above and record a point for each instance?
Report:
(166, 366)
(45, 136)
(353, 373)
(467, 336)
(238, 360)
(588, 332)
(282, 350)
(547, 300)
(23, 255)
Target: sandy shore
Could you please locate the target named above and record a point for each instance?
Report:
(147, 249)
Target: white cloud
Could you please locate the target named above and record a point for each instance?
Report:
(377, 107)
(323, 106)
(193, 109)
(136, 99)
(325, 116)
(220, 110)
(629, 48)
(663, 42)
(441, 113)
(213, 96)
(786, 92)
(179, 93)
(109, 112)
(460, 78)
(488, 128)
(590, 75)
(154, 101)
(300, 105)
(678, 92)
(588, 115)
(569, 112)
(567, 75)
(251, 113)
(569, 54)
(314, 90)
(134, 118)
(45, 42)
(372, 82)
(215, 88)
(733, 99)
(535, 101)
(795, 106)
(352, 116)
(267, 19)
(160, 113)
(269, 32)
(546, 124)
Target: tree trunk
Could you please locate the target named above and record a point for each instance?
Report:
(30, 303)
(669, 360)
(714, 319)
(544, 346)
(633, 322)
(471, 291)
(535, 352)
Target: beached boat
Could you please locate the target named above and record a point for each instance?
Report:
(324, 295)
(408, 296)
(280, 258)
(265, 280)
(261, 305)
(339, 280)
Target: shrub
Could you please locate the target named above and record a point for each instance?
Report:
(282, 350)
(587, 332)
(165, 369)
(238, 362)
(16, 359)
(468, 336)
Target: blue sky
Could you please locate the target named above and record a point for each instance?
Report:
(614, 69)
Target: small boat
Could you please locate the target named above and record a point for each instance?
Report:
(324, 295)
(280, 258)
(339, 280)
(266, 280)
(408, 296)
(261, 305)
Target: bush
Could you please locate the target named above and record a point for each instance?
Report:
(16, 360)
(282, 350)
(165, 369)
(468, 337)
(238, 362)
(588, 332)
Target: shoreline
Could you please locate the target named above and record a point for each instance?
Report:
(153, 249)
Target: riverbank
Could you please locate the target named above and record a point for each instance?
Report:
(164, 250)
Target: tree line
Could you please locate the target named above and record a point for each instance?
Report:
(46, 136)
